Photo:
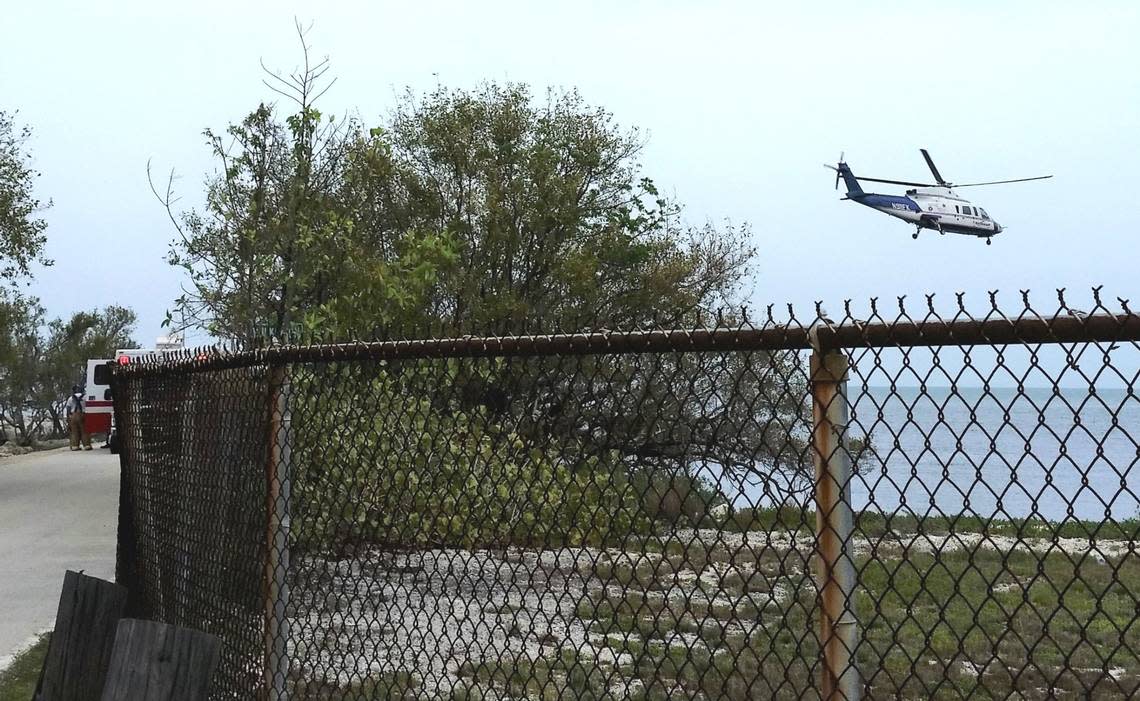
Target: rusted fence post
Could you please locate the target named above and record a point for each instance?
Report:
(834, 524)
(277, 494)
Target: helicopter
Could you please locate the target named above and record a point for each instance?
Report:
(927, 205)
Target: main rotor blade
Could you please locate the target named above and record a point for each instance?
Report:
(999, 182)
(930, 162)
(893, 182)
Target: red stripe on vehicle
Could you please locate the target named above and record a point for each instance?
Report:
(97, 423)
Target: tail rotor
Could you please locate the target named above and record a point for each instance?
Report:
(837, 171)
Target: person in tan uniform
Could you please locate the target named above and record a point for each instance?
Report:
(75, 423)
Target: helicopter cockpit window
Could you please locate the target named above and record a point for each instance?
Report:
(984, 215)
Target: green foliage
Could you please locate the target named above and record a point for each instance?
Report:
(392, 464)
(496, 211)
(679, 417)
(555, 224)
(22, 235)
(483, 209)
(261, 250)
(70, 344)
(21, 348)
(677, 498)
(40, 361)
(18, 680)
(766, 519)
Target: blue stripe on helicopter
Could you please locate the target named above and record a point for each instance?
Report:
(889, 202)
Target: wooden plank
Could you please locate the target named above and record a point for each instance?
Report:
(79, 653)
(161, 662)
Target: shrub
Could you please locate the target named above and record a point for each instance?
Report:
(383, 460)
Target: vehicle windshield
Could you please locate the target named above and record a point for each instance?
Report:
(984, 215)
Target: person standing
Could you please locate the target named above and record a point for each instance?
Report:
(75, 420)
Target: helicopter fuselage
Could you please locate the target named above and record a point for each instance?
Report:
(938, 208)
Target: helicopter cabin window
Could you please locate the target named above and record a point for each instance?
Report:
(984, 215)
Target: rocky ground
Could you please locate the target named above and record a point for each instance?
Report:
(10, 448)
(711, 614)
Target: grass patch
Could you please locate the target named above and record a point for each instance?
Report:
(968, 623)
(1029, 621)
(18, 681)
(783, 518)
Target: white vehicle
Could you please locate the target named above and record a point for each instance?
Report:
(98, 403)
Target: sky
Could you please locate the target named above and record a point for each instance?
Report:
(741, 103)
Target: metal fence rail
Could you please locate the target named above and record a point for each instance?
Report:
(890, 507)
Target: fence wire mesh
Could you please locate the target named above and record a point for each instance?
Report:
(890, 507)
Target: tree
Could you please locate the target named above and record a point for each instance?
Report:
(491, 211)
(38, 369)
(22, 236)
(68, 347)
(467, 210)
(21, 349)
(553, 222)
(274, 247)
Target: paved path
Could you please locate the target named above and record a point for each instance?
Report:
(58, 511)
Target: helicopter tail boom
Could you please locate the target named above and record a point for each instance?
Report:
(854, 190)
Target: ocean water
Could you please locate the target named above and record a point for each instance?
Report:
(1046, 453)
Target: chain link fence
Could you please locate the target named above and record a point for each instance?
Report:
(896, 507)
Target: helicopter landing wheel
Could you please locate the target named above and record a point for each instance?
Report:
(914, 235)
(988, 242)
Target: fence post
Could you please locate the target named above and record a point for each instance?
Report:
(278, 488)
(834, 524)
(126, 535)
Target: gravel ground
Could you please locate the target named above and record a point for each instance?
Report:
(438, 614)
(918, 542)
(429, 612)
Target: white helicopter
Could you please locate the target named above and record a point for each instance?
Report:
(929, 205)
